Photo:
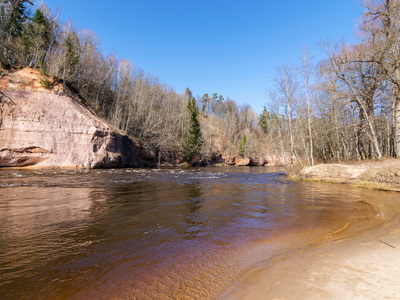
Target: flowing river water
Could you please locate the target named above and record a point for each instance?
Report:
(163, 233)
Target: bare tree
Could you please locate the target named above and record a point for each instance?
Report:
(362, 79)
(306, 82)
(379, 29)
(286, 88)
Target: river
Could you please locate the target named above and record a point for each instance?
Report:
(163, 233)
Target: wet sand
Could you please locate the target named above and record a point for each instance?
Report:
(365, 266)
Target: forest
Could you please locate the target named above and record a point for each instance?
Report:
(344, 107)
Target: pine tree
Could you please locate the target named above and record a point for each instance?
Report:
(205, 99)
(40, 26)
(18, 16)
(71, 57)
(35, 39)
(242, 146)
(193, 137)
(13, 19)
(264, 120)
(4, 19)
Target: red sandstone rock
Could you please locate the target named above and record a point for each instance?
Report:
(257, 161)
(272, 160)
(230, 160)
(242, 161)
(48, 130)
(266, 160)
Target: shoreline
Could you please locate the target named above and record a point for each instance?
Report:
(364, 266)
(163, 166)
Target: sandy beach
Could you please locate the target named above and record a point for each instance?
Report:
(362, 266)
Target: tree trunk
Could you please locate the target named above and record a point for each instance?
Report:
(306, 74)
(396, 107)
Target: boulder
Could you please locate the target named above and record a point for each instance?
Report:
(257, 161)
(242, 161)
(272, 160)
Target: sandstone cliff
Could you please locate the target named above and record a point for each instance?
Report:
(49, 128)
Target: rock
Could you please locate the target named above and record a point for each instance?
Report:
(47, 130)
(257, 161)
(272, 160)
(242, 161)
(230, 160)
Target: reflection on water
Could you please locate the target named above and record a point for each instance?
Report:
(166, 233)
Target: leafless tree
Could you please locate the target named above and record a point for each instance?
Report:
(306, 72)
(379, 30)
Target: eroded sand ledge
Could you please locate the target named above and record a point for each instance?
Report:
(380, 175)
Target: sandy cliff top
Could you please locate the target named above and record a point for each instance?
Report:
(28, 80)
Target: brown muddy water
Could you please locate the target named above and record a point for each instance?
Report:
(162, 234)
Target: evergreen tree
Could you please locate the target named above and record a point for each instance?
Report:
(242, 146)
(40, 26)
(71, 57)
(4, 19)
(264, 120)
(39, 18)
(13, 19)
(212, 103)
(18, 16)
(35, 39)
(193, 137)
(205, 99)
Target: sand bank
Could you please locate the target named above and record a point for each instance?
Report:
(363, 267)
(380, 175)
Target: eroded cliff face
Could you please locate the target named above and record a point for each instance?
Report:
(46, 128)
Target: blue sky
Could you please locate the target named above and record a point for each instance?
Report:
(213, 46)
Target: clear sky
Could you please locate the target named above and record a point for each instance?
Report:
(213, 46)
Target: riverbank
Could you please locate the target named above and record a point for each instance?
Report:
(365, 267)
(379, 175)
(356, 266)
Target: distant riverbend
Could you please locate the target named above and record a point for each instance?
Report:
(163, 233)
